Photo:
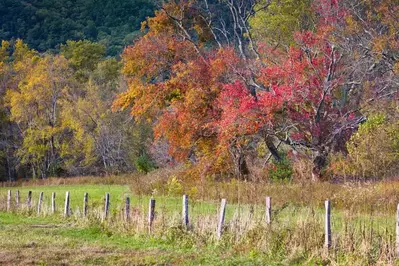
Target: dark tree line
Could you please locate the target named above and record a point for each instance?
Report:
(45, 24)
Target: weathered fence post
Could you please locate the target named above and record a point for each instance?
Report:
(9, 200)
(221, 219)
(151, 214)
(106, 207)
(39, 204)
(127, 209)
(53, 208)
(17, 198)
(397, 232)
(268, 216)
(85, 202)
(66, 209)
(327, 237)
(185, 211)
(29, 201)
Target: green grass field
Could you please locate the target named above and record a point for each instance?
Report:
(118, 194)
(295, 237)
(44, 241)
(52, 239)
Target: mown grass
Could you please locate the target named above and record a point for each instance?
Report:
(33, 241)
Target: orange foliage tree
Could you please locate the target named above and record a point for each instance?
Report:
(209, 97)
(175, 77)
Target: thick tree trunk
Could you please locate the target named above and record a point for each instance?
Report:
(241, 167)
(319, 163)
(240, 164)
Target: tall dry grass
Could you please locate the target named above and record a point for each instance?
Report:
(377, 196)
(295, 236)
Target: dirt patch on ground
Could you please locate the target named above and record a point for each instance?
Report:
(85, 255)
(46, 225)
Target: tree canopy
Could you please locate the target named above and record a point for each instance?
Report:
(229, 88)
(45, 24)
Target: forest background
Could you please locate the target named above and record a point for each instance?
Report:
(251, 89)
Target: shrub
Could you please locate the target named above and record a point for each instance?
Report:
(280, 170)
(144, 164)
(174, 187)
(373, 151)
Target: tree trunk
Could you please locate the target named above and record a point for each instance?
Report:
(242, 170)
(272, 148)
(240, 164)
(319, 163)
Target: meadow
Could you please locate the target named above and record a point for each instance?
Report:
(363, 223)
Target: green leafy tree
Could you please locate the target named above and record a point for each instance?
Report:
(373, 151)
(45, 24)
(83, 57)
(281, 19)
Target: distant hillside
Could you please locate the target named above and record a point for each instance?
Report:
(44, 24)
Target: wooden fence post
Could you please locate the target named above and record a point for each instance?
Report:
(29, 201)
(221, 219)
(39, 204)
(85, 202)
(268, 210)
(53, 207)
(66, 209)
(151, 214)
(106, 207)
(327, 237)
(185, 211)
(397, 232)
(127, 209)
(9, 200)
(17, 198)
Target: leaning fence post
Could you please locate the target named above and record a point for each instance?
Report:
(221, 219)
(327, 237)
(397, 232)
(151, 214)
(53, 208)
(268, 210)
(17, 198)
(66, 209)
(127, 209)
(185, 211)
(85, 202)
(29, 201)
(39, 204)
(9, 200)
